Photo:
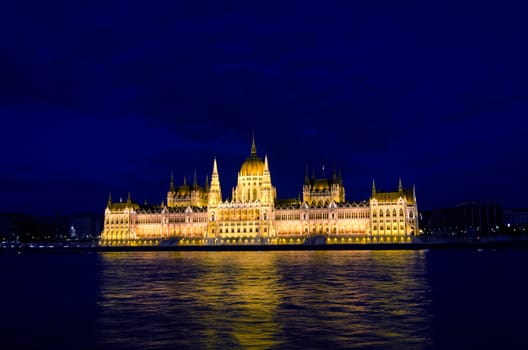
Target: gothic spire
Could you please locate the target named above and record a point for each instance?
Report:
(215, 168)
(373, 188)
(266, 167)
(253, 146)
(400, 187)
(171, 186)
(109, 204)
(195, 180)
(215, 193)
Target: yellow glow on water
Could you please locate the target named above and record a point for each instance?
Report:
(262, 300)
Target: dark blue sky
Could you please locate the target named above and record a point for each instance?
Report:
(111, 96)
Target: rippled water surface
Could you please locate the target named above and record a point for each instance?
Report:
(266, 300)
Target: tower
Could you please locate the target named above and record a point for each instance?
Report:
(215, 193)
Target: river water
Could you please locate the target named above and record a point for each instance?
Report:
(459, 299)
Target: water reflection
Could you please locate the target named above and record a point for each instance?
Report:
(219, 300)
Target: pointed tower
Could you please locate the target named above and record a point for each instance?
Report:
(306, 186)
(195, 192)
(341, 187)
(400, 187)
(109, 204)
(195, 181)
(129, 199)
(267, 190)
(215, 193)
(373, 188)
(171, 185)
(172, 192)
(206, 185)
(266, 166)
(334, 187)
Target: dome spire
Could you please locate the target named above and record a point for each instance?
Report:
(253, 146)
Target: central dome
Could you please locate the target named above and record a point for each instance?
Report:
(253, 165)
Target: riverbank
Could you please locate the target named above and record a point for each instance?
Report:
(417, 245)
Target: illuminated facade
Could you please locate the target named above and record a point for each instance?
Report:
(197, 215)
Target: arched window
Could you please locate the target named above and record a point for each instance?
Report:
(388, 212)
(394, 212)
(401, 212)
(381, 213)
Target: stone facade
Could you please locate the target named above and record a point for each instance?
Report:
(197, 215)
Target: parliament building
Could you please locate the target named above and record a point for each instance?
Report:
(197, 215)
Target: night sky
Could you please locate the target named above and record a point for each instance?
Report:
(113, 96)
